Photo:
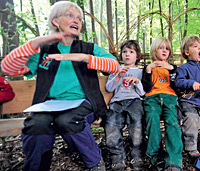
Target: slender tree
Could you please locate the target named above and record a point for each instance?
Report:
(151, 5)
(34, 17)
(116, 23)
(170, 19)
(101, 19)
(20, 5)
(92, 20)
(161, 22)
(127, 18)
(8, 23)
(109, 21)
(84, 29)
(186, 20)
(179, 21)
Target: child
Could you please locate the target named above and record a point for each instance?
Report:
(160, 101)
(125, 108)
(188, 84)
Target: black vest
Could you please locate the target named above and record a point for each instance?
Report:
(87, 77)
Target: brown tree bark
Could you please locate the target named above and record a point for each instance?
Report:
(161, 23)
(127, 19)
(116, 23)
(186, 20)
(34, 17)
(84, 29)
(93, 25)
(8, 23)
(109, 21)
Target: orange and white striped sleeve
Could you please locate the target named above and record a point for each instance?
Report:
(108, 65)
(15, 63)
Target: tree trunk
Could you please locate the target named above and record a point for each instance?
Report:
(179, 21)
(151, 20)
(93, 25)
(109, 21)
(101, 19)
(161, 23)
(84, 29)
(34, 17)
(186, 20)
(170, 22)
(116, 22)
(127, 19)
(20, 5)
(9, 33)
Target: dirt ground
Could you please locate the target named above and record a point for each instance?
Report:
(12, 157)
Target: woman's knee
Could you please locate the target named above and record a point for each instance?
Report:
(69, 125)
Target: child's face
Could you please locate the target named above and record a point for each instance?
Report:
(194, 51)
(162, 54)
(129, 56)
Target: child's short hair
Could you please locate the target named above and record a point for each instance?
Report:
(132, 44)
(156, 45)
(186, 43)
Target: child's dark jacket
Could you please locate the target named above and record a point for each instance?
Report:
(187, 74)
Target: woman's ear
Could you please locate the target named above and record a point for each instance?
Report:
(55, 22)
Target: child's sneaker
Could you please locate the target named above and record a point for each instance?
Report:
(137, 164)
(99, 167)
(119, 166)
(194, 153)
(173, 168)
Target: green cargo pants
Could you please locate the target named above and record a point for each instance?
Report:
(163, 105)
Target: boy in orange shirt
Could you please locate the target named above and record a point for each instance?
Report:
(160, 101)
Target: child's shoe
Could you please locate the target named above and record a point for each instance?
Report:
(194, 153)
(173, 168)
(118, 166)
(137, 164)
(99, 167)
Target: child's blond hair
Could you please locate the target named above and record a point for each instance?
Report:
(157, 43)
(186, 43)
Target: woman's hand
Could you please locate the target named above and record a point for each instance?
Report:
(49, 39)
(78, 57)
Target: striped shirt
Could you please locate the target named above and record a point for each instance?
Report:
(15, 63)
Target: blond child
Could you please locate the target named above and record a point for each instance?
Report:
(188, 88)
(160, 101)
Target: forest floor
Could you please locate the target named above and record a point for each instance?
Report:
(12, 157)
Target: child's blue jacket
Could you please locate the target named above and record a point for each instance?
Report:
(187, 74)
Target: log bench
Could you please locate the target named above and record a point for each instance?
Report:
(24, 91)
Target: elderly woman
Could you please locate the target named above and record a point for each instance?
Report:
(66, 71)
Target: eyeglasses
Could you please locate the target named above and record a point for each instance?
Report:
(70, 16)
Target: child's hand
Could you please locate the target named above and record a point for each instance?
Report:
(163, 64)
(196, 86)
(150, 67)
(123, 71)
(132, 79)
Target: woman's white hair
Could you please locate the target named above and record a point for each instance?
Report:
(59, 8)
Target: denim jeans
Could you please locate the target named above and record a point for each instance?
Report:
(121, 113)
(190, 125)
